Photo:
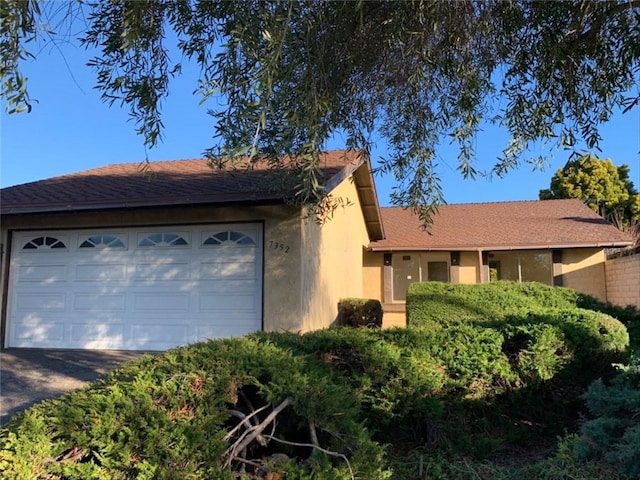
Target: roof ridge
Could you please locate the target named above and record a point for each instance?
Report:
(141, 164)
(495, 202)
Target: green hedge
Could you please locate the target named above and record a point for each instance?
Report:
(436, 303)
(359, 312)
(544, 333)
(353, 401)
(368, 394)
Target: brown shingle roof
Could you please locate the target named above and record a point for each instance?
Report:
(178, 182)
(500, 226)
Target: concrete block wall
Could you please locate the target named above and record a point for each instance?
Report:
(623, 280)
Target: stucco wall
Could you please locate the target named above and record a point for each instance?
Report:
(282, 306)
(623, 280)
(583, 270)
(332, 259)
(372, 272)
(468, 270)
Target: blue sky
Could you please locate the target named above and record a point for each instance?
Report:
(71, 129)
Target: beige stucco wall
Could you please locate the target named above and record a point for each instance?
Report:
(583, 270)
(331, 263)
(372, 275)
(623, 280)
(468, 270)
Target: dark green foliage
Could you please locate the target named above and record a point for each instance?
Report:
(614, 434)
(543, 330)
(359, 312)
(471, 388)
(629, 315)
(167, 417)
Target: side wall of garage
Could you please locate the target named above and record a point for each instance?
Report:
(332, 258)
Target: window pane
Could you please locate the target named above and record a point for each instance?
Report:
(537, 267)
(438, 271)
(532, 266)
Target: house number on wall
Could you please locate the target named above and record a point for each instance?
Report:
(278, 246)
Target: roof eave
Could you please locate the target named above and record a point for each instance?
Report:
(155, 202)
(475, 248)
(369, 204)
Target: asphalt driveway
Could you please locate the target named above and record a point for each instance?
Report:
(28, 376)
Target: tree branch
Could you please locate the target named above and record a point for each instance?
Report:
(252, 433)
(315, 447)
(245, 420)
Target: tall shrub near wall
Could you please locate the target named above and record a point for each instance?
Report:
(622, 276)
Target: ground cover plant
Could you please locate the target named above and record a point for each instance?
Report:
(483, 398)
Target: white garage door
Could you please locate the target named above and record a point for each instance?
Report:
(134, 289)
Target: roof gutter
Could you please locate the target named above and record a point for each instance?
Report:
(474, 248)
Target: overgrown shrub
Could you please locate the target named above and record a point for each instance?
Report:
(543, 331)
(349, 403)
(359, 312)
(585, 343)
(629, 315)
(438, 304)
(196, 412)
(613, 434)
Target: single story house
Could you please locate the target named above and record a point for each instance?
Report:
(556, 242)
(112, 258)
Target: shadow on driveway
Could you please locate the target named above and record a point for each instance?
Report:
(28, 376)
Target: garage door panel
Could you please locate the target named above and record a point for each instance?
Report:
(97, 272)
(163, 302)
(39, 332)
(214, 302)
(227, 269)
(105, 302)
(228, 286)
(150, 335)
(41, 302)
(162, 271)
(87, 332)
(94, 289)
(42, 273)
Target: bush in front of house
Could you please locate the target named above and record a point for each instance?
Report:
(437, 304)
(612, 432)
(340, 403)
(347, 403)
(241, 408)
(359, 312)
(543, 330)
(629, 315)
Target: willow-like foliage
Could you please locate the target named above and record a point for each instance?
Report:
(413, 74)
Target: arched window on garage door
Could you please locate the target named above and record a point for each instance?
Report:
(166, 239)
(44, 243)
(229, 238)
(102, 241)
